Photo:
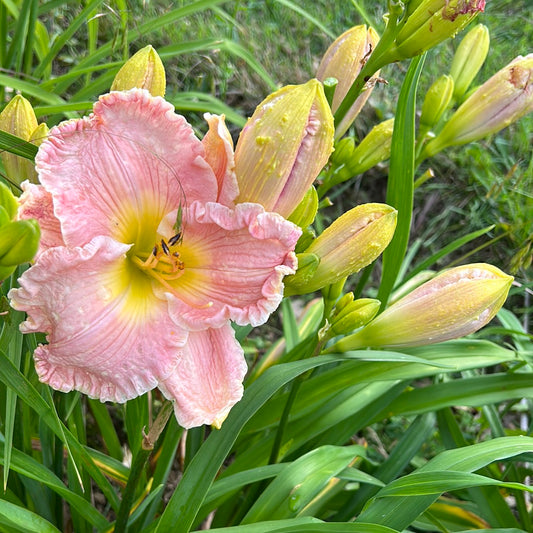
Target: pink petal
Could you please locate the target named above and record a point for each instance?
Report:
(207, 381)
(104, 340)
(235, 261)
(218, 146)
(36, 202)
(130, 163)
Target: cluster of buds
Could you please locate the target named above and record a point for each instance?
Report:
(501, 100)
(429, 22)
(19, 239)
(18, 118)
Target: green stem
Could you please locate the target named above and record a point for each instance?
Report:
(137, 466)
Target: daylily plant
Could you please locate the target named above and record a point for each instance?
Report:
(145, 259)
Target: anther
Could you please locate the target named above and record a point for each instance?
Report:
(164, 245)
(175, 239)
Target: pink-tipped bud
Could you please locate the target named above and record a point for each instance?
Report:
(284, 146)
(343, 60)
(501, 100)
(455, 303)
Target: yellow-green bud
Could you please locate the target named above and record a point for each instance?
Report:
(306, 238)
(343, 60)
(343, 151)
(143, 70)
(432, 22)
(469, 58)
(436, 101)
(354, 315)
(19, 241)
(373, 149)
(305, 213)
(284, 146)
(18, 118)
(8, 201)
(455, 303)
(307, 265)
(501, 100)
(352, 242)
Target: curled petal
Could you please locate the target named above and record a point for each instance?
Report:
(218, 146)
(235, 261)
(37, 203)
(104, 339)
(207, 381)
(118, 172)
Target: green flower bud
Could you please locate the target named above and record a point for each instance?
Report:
(354, 315)
(352, 242)
(432, 22)
(343, 60)
(455, 303)
(373, 149)
(305, 212)
(143, 70)
(8, 201)
(469, 58)
(436, 101)
(307, 265)
(18, 118)
(284, 146)
(501, 100)
(4, 216)
(343, 151)
(19, 241)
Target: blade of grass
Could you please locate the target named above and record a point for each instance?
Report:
(24, 520)
(61, 40)
(143, 30)
(15, 52)
(27, 56)
(29, 467)
(17, 146)
(13, 378)
(448, 249)
(301, 11)
(400, 186)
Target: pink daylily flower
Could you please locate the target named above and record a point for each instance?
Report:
(146, 259)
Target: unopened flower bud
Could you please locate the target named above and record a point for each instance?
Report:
(307, 265)
(343, 60)
(436, 101)
(18, 118)
(432, 22)
(469, 58)
(143, 70)
(19, 241)
(455, 303)
(373, 149)
(305, 212)
(354, 315)
(501, 100)
(284, 146)
(8, 201)
(343, 151)
(352, 242)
